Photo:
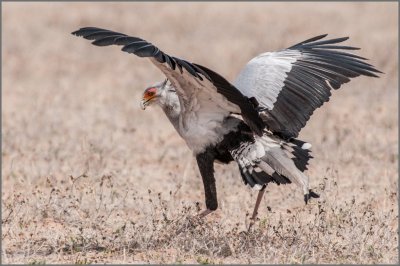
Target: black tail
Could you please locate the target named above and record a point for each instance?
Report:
(311, 194)
(301, 151)
(257, 177)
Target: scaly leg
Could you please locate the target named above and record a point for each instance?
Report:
(255, 211)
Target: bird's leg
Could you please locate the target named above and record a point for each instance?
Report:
(255, 211)
(205, 161)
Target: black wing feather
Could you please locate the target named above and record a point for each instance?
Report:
(143, 48)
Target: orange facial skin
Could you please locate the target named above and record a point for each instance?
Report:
(148, 95)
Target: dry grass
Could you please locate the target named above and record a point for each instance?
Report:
(90, 178)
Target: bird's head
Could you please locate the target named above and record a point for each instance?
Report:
(155, 94)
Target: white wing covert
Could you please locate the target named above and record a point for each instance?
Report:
(290, 84)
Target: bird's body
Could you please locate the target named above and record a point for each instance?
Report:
(254, 122)
(232, 140)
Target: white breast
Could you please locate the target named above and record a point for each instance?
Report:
(200, 132)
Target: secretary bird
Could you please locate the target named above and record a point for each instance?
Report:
(255, 120)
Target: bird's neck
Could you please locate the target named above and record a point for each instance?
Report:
(172, 109)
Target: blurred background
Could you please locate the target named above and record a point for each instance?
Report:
(71, 118)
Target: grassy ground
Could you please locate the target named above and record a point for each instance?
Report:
(90, 178)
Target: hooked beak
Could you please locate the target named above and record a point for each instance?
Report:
(145, 102)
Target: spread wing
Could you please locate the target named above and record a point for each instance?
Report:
(290, 84)
(202, 92)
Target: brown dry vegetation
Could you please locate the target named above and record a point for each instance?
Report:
(89, 178)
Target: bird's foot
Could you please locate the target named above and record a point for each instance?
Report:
(252, 222)
(204, 213)
(193, 221)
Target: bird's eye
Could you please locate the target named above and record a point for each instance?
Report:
(150, 92)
